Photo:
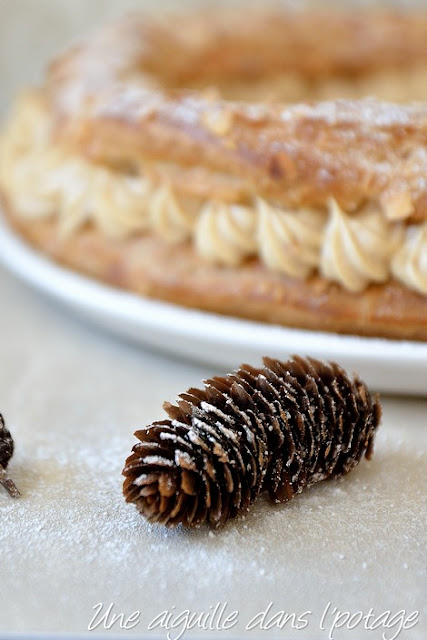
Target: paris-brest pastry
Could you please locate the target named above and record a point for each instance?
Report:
(269, 164)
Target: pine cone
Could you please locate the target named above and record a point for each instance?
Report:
(6, 452)
(6, 444)
(279, 429)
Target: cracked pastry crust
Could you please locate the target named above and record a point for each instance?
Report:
(122, 97)
(133, 165)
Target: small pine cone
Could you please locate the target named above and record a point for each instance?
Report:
(6, 452)
(6, 444)
(279, 429)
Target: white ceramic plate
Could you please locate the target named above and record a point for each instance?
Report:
(387, 365)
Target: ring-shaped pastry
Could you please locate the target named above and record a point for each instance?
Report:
(231, 162)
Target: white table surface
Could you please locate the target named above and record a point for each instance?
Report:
(73, 397)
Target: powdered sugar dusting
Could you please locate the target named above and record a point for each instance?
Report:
(72, 398)
(369, 111)
(335, 536)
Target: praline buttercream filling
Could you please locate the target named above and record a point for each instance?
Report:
(42, 180)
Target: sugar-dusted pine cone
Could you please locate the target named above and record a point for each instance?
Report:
(6, 452)
(279, 429)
